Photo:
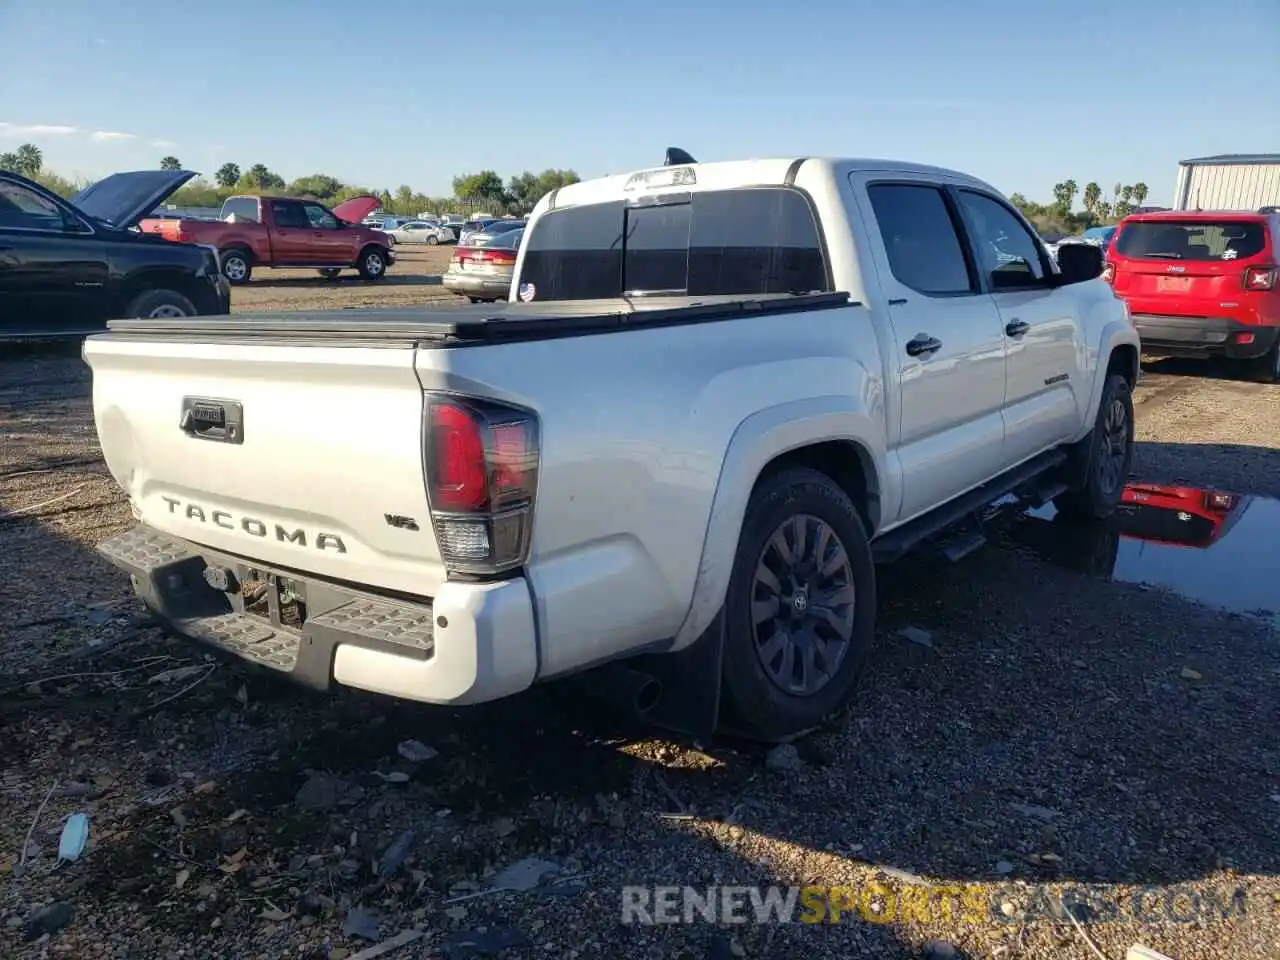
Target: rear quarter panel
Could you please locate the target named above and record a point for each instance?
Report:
(642, 432)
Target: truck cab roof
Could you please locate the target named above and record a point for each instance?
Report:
(728, 174)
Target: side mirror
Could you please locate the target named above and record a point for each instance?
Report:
(1079, 262)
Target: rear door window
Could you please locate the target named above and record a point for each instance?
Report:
(1200, 240)
(744, 242)
(920, 239)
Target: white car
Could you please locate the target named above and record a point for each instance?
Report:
(420, 231)
(718, 395)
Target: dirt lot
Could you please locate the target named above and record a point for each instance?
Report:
(1060, 730)
(413, 279)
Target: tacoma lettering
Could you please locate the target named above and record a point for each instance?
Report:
(255, 527)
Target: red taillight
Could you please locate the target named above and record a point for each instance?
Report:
(1109, 272)
(482, 469)
(457, 474)
(1260, 278)
(499, 258)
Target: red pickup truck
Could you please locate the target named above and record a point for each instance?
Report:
(283, 232)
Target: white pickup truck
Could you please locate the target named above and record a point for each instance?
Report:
(720, 394)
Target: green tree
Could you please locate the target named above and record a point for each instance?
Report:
(1139, 193)
(259, 177)
(28, 160)
(9, 161)
(485, 186)
(170, 163)
(1092, 195)
(228, 175)
(318, 185)
(522, 191)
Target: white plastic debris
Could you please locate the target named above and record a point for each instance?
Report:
(524, 874)
(75, 835)
(1139, 952)
(415, 751)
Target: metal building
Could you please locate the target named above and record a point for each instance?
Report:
(1231, 181)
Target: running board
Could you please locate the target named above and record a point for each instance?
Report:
(903, 540)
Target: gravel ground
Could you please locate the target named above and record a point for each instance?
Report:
(1059, 731)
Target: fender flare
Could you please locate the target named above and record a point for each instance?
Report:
(758, 440)
(1117, 333)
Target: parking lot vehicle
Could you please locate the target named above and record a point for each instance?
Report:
(283, 232)
(483, 274)
(1202, 284)
(421, 231)
(67, 268)
(474, 225)
(718, 395)
(494, 231)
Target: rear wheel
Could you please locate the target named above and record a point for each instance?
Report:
(160, 304)
(1102, 459)
(236, 265)
(801, 605)
(1266, 368)
(373, 264)
(432, 241)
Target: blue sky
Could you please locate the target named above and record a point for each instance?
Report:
(1021, 94)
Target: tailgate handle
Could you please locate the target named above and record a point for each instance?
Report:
(219, 420)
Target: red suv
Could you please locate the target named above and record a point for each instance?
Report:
(1202, 284)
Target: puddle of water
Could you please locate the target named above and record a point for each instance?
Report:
(1208, 545)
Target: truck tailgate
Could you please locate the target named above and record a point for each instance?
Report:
(325, 475)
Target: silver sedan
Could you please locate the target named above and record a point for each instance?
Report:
(422, 231)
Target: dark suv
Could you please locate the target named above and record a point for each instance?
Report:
(68, 267)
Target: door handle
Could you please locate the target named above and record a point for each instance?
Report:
(1016, 328)
(923, 344)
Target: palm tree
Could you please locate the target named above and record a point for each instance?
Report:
(30, 159)
(9, 161)
(1139, 193)
(1092, 194)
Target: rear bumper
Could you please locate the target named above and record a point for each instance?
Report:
(473, 642)
(1174, 336)
(477, 285)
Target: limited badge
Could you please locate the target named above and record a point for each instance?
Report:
(527, 292)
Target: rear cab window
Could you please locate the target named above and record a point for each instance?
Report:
(741, 242)
(1220, 241)
(244, 208)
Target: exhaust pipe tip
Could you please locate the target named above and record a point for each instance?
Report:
(634, 691)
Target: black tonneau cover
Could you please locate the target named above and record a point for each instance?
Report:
(473, 324)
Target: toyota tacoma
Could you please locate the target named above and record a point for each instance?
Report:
(719, 395)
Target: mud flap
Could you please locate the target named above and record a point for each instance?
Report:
(690, 699)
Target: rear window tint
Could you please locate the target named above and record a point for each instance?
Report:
(1191, 240)
(743, 242)
(245, 208)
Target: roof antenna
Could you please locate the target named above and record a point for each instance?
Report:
(677, 157)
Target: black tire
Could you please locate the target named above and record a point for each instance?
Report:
(760, 704)
(1101, 461)
(160, 303)
(432, 241)
(372, 264)
(330, 273)
(237, 265)
(1266, 368)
